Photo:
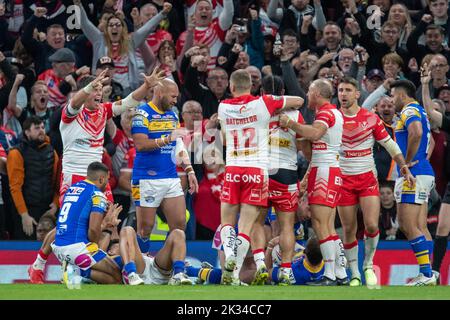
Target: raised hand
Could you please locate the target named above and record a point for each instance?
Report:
(425, 74)
(40, 12)
(167, 6)
(155, 78)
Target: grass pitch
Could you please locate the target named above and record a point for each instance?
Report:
(211, 292)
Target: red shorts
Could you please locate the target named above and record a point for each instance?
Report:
(324, 186)
(358, 186)
(69, 179)
(245, 185)
(283, 197)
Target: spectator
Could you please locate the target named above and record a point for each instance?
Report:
(434, 40)
(45, 225)
(32, 171)
(439, 68)
(249, 36)
(392, 66)
(209, 97)
(207, 200)
(7, 78)
(16, 104)
(4, 235)
(399, 15)
(112, 87)
(332, 37)
(63, 65)
(388, 217)
(293, 16)
(41, 51)
(439, 11)
(207, 30)
(385, 166)
(255, 74)
(390, 35)
(118, 45)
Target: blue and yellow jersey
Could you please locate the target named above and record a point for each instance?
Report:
(415, 112)
(80, 200)
(304, 272)
(158, 163)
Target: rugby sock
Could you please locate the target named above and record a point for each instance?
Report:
(275, 274)
(41, 260)
(258, 256)
(420, 248)
(130, 267)
(212, 276)
(178, 266)
(430, 248)
(351, 252)
(370, 246)
(286, 268)
(228, 236)
(328, 250)
(243, 244)
(119, 261)
(339, 268)
(193, 271)
(144, 243)
(440, 247)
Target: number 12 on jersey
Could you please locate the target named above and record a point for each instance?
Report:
(244, 138)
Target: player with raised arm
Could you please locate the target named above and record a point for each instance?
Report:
(157, 138)
(324, 180)
(359, 182)
(79, 229)
(413, 136)
(82, 129)
(245, 124)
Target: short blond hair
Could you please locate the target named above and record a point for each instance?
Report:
(241, 80)
(392, 57)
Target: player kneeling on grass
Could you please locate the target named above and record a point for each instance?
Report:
(79, 234)
(167, 267)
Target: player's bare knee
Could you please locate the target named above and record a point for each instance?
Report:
(127, 232)
(177, 235)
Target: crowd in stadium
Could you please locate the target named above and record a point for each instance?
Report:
(51, 49)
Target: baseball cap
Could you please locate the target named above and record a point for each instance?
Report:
(441, 88)
(375, 73)
(62, 55)
(105, 61)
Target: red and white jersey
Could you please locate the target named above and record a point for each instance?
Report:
(121, 65)
(245, 120)
(154, 39)
(55, 98)
(217, 6)
(360, 133)
(82, 137)
(282, 143)
(325, 151)
(213, 36)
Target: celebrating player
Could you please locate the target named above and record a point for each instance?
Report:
(245, 124)
(82, 129)
(79, 228)
(359, 182)
(324, 180)
(283, 187)
(157, 137)
(413, 137)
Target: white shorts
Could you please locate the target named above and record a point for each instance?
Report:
(82, 255)
(418, 194)
(150, 193)
(152, 274)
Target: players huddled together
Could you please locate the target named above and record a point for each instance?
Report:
(231, 63)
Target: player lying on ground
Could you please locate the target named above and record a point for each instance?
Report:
(307, 265)
(166, 267)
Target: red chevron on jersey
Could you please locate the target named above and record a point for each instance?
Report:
(359, 135)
